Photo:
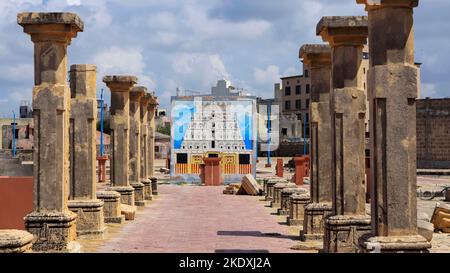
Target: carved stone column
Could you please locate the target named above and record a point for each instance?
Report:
(392, 89)
(318, 58)
(136, 94)
(83, 123)
(51, 222)
(120, 87)
(153, 102)
(347, 36)
(145, 147)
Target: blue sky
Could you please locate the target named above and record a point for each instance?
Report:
(192, 43)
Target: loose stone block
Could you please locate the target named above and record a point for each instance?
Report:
(426, 229)
(392, 91)
(297, 203)
(52, 224)
(111, 206)
(250, 185)
(120, 87)
(136, 94)
(318, 58)
(83, 120)
(277, 188)
(15, 241)
(285, 199)
(128, 211)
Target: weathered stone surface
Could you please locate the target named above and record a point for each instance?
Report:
(394, 244)
(441, 217)
(342, 233)
(51, 222)
(111, 206)
(250, 186)
(145, 147)
(314, 223)
(15, 241)
(347, 37)
(136, 94)
(392, 89)
(277, 188)
(318, 58)
(120, 124)
(285, 199)
(154, 185)
(90, 218)
(152, 104)
(426, 229)
(297, 203)
(51, 18)
(83, 120)
(128, 211)
(270, 184)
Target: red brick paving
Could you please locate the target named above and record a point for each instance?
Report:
(201, 219)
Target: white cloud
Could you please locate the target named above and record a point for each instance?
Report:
(204, 68)
(267, 76)
(428, 90)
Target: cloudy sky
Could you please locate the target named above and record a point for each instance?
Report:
(192, 43)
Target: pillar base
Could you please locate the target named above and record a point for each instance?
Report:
(342, 233)
(126, 194)
(139, 194)
(147, 189)
(154, 185)
(111, 207)
(15, 241)
(90, 220)
(53, 231)
(394, 244)
(314, 223)
(297, 205)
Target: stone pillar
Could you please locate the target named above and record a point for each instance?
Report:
(145, 148)
(279, 170)
(83, 123)
(297, 203)
(120, 87)
(347, 37)
(102, 168)
(392, 89)
(51, 222)
(318, 58)
(15, 241)
(136, 94)
(153, 102)
(213, 173)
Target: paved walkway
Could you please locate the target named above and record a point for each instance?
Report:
(199, 219)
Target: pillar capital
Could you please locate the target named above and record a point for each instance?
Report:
(343, 30)
(137, 93)
(152, 102)
(145, 100)
(50, 26)
(120, 83)
(316, 55)
(379, 4)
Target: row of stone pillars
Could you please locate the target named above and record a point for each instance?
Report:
(66, 203)
(336, 213)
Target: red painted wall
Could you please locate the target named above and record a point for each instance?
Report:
(16, 201)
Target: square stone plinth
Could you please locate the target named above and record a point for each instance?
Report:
(342, 233)
(15, 241)
(394, 244)
(53, 232)
(90, 220)
(111, 207)
(314, 224)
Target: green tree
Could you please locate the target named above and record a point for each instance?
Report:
(163, 129)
